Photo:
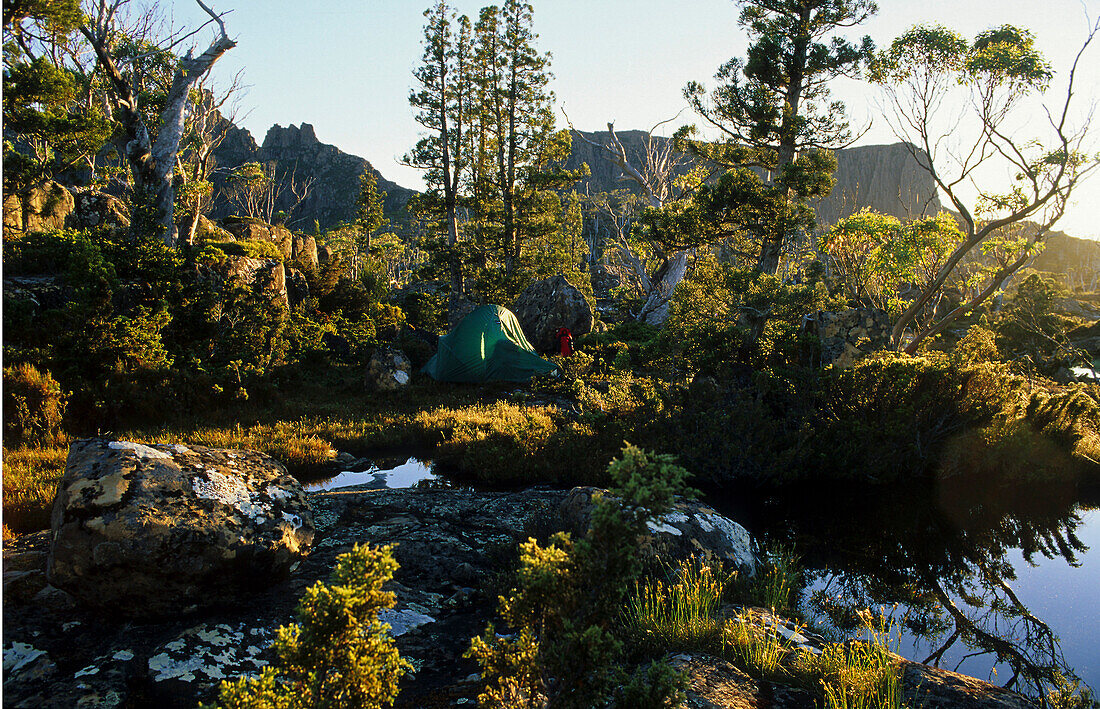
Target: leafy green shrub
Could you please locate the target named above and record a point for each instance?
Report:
(415, 348)
(388, 320)
(34, 404)
(566, 601)
(1030, 326)
(426, 311)
(711, 327)
(338, 654)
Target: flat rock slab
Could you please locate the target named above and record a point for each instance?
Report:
(450, 544)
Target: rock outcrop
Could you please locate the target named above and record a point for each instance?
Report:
(689, 529)
(335, 174)
(714, 683)
(95, 209)
(886, 178)
(389, 369)
(266, 277)
(450, 545)
(38, 209)
(292, 246)
(846, 336)
(550, 304)
(152, 531)
(1078, 259)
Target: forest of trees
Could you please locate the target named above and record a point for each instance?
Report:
(708, 264)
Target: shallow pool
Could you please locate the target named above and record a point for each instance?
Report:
(407, 474)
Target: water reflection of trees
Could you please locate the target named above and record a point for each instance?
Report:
(935, 557)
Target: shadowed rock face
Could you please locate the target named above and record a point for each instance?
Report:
(550, 304)
(143, 531)
(887, 178)
(334, 172)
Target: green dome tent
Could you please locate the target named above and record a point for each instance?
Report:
(487, 345)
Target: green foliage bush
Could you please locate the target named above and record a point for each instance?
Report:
(564, 607)
(426, 311)
(710, 327)
(34, 404)
(339, 654)
(1030, 327)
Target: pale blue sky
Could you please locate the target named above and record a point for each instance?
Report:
(345, 65)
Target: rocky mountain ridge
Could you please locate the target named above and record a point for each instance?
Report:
(887, 178)
(297, 149)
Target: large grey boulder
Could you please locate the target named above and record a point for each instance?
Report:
(688, 529)
(147, 531)
(94, 209)
(550, 304)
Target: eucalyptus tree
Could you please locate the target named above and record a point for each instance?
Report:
(151, 145)
(773, 107)
(957, 105)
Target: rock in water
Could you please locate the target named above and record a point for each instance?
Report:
(550, 304)
(150, 531)
(389, 369)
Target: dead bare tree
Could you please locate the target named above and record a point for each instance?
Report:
(207, 127)
(152, 161)
(656, 178)
(256, 189)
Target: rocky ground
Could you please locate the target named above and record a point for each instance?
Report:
(451, 545)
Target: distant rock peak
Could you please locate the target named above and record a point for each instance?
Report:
(291, 136)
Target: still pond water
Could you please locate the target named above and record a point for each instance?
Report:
(877, 548)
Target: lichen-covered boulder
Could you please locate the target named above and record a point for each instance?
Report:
(40, 208)
(147, 531)
(99, 209)
(264, 277)
(848, 336)
(550, 304)
(689, 529)
(389, 369)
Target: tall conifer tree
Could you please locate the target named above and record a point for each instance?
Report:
(775, 102)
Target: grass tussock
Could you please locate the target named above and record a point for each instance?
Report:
(751, 642)
(684, 613)
(681, 613)
(31, 475)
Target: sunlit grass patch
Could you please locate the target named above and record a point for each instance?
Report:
(31, 475)
(754, 644)
(680, 614)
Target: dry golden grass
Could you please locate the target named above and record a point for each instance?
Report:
(31, 474)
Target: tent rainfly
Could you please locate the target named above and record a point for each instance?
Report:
(487, 345)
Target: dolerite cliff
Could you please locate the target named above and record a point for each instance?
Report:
(1079, 259)
(335, 174)
(886, 178)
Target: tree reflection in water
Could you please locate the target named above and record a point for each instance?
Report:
(934, 558)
